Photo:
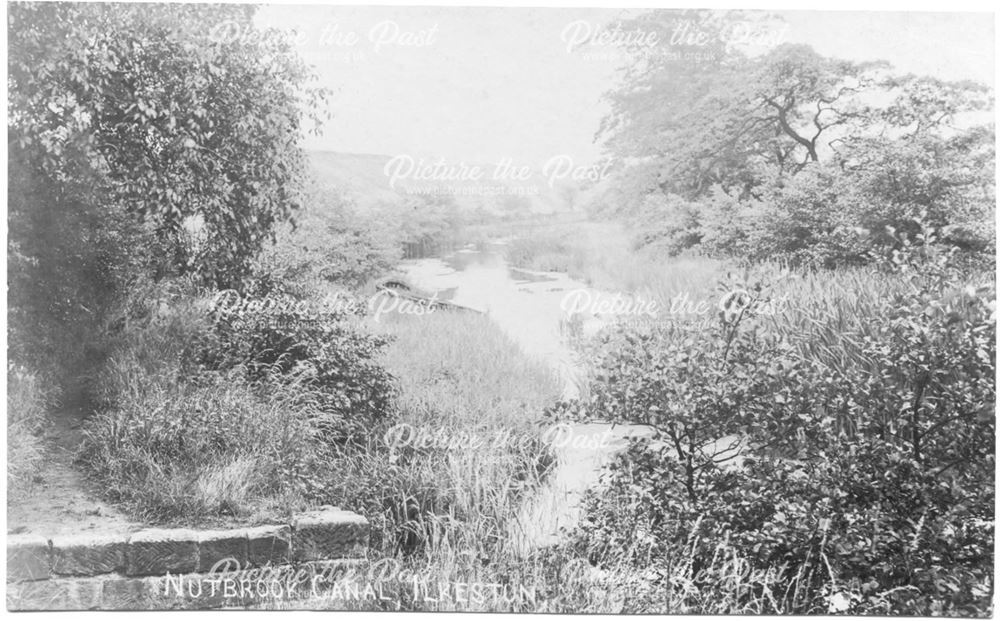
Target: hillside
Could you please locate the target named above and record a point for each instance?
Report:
(363, 177)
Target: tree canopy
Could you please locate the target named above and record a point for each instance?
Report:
(744, 123)
(715, 118)
(147, 108)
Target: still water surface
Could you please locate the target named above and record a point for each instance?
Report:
(528, 307)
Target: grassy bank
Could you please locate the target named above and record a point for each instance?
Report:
(429, 425)
(175, 442)
(873, 384)
(603, 255)
(443, 482)
(30, 395)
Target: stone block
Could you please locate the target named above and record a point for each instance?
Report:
(28, 557)
(156, 552)
(130, 594)
(88, 555)
(222, 550)
(55, 595)
(329, 534)
(192, 591)
(269, 545)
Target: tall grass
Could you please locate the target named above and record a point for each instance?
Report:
(446, 514)
(826, 313)
(443, 477)
(174, 443)
(603, 255)
(444, 506)
(30, 395)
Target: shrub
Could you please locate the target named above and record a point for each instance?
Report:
(223, 156)
(329, 244)
(867, 527)
(864, 481)
(204, 414)
(277, 339)
(852, 210)
(668, 223)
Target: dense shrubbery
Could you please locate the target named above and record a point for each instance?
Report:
(864, 476)
(276, 338)
(865, 530)
(851, 211)
(143, 110)
(208, 409)
(329, 244)
(141, 148)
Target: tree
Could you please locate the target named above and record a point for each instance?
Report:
(794, 155)
(663, 97)
(159, 111)
(727, 117)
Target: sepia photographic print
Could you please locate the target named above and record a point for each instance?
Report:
(667, 310)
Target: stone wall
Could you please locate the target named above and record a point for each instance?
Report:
(181, 568)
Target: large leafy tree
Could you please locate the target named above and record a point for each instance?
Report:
(784, 152)
(173, 116)
(731, 115)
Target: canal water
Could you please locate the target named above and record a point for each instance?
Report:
(526, 305)
(529, 307)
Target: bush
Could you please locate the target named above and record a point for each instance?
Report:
(278, 339)
(174, 441)
(132, 159)
(329, 244)
(864, 481)
(867, 531)
(668, 223)
(207, 411)
(81, 123)
(853, 210)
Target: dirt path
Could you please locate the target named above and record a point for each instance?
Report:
(62, 499)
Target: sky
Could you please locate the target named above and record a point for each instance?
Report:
(481, 85)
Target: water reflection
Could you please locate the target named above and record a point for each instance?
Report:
(526, 305)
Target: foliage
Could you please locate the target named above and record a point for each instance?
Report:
(141, 145)
(329, 244)
(147, 111)
(859, 475)
(856, 210)
(446, 504)
(733, 115)
(29, 396)
(476, 390)
(67, 268)
(865, 531)
(277, 338)
(172, 441)
(781, 153)
(695, 98)
(212, 406)
(427, 224)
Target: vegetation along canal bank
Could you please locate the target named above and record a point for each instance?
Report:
(745, 364)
